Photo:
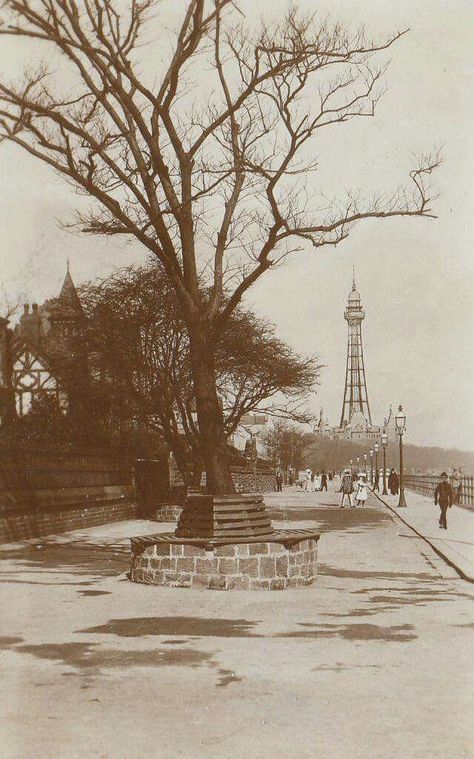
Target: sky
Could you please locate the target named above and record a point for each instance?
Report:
(415, 276)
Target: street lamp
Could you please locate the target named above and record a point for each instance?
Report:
(400, 419)
(376, 479)
(365, 464)
(371, 454)
(358, 466)
(384, 439)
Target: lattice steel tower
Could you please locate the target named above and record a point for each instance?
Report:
(355, 391)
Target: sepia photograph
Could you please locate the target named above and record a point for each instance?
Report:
(236, 372)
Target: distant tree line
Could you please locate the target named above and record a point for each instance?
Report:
(326, 453)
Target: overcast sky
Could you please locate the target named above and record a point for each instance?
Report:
(415, 276)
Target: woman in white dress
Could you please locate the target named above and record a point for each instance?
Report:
(361, 493)
(317, 483)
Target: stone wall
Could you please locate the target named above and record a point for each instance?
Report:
(245, 480)
(49, 490)
(83, 510)
(168, 512)
(241, 566)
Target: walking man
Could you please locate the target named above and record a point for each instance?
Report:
(279, 481)
(444, 497)
(324, 482)
(347, 488)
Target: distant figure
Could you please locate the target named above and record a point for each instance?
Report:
(308, 479)
(376, 480)
(317, 483)
(444, 497)
(393, 482)
(291, 475)
(324, 482)
(279, 481)
(347, 488)
(361, 493)
(456, 482)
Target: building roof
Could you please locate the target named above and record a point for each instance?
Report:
(68, 304)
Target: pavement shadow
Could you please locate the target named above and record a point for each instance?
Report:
(92, 659)
(76, 557)
(335, 518)
(136, 627)
(328, 570)
(387, 634)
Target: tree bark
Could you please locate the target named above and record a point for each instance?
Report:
(209, 413)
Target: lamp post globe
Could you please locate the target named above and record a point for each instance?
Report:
(400, 420)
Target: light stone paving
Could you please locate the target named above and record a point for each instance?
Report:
(373, 660)
(456, 544)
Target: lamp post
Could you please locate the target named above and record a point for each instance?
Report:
(400, 419)
(358, 465)
(365, 464)
(376, 478)
(371, 454)
(384, 439)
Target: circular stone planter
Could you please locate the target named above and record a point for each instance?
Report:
(287, 560)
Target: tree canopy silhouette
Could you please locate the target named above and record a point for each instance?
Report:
(202, 155)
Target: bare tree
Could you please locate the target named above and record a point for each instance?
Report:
(286, 444)
(203, 160)
(138, 350)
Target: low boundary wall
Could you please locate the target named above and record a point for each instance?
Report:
(55, 490)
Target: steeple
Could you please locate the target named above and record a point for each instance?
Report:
(68, 295)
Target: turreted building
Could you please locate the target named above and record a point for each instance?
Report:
(43, 354)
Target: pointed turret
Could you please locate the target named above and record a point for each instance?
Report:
(68, 296)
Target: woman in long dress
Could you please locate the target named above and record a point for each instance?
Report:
(361, 493)
(393, 482)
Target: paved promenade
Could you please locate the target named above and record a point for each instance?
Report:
(456, 544)
(373, 661)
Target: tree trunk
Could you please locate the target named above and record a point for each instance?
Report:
(209, 413)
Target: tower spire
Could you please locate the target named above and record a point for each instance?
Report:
(355, 390)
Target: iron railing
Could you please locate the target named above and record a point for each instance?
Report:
(426, 484)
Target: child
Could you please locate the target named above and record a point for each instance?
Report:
(361, 494)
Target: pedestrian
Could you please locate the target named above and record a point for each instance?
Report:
(376, 480)
(279, 481)
(361, 493)
(393, 482)
(317, 483)
(444, 497)
(324, 482)
(456, 482)
(308, 480)
(347, 488)
(291, 475)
